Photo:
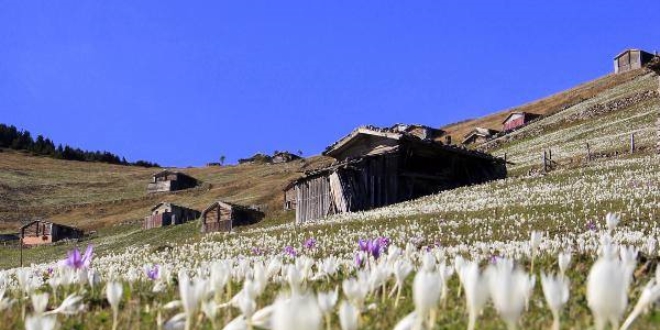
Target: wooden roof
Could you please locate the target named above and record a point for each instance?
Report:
(46, 221)
(168, 172)
(520, 113)
(229, 206)
(395, 132)
(633, 50)
(171, 205)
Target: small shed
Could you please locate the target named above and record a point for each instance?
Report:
(631, 59)
(223, 216)
(166, 214)
(44, 232)
(280, 157)
(517, 120)
(479, 135)
(171, 181)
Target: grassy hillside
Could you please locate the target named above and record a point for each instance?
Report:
(545, 106)
(94, 195)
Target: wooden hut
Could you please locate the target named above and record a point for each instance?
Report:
(375, 167)
(171, 181)
(479, 135)
(223, 216)
(166, 214)
(631, 59)
(516, 120)
(44, 232)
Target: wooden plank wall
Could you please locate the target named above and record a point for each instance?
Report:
(314, 199)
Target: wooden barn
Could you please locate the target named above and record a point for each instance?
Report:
(171, 181)
(223, 216)
(281, 157)
(631, 59)
(166, 214)
(44, 232)
(517, 120)
(375, 167)
(479, 135)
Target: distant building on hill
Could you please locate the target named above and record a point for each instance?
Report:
(166, 214)
(631, 59)
(278, 157)
(258, 158)
(223, 216)
(376, 167)
(281, 157)
(516, 120)
(171, 181)
(44, 232)
(479, 135)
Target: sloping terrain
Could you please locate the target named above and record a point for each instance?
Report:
(93, 195)
(545, 106)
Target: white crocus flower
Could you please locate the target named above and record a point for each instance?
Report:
(607, 287)
(649, 295)
(555, 290)
(39, 303)
(401, 270)
(41, 322)
(475, 286)
(355, 292)
(297, 312)
(327, 301)
(535, 242)
(612, 220)
(426, 293)
(114, 291)
(191, 293)
(509, 289)
(348, 316)
(71, 305)
(564, 261)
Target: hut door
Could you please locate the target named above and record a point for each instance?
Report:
(338, 194)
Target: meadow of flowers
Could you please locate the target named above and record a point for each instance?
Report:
(528, 252)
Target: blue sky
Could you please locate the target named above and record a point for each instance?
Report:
(183, 83)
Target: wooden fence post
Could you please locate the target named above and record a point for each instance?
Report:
(588, 152)
(632, 143)
(545, 161)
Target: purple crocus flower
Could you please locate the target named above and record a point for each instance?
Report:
(153, 273)
(493, 259)
(257, 251)
(384, 242)
(310, 243)
(374, 248)
(359, 261)
(591, 226)
(76, 261)
(289, 250)
(363, 245)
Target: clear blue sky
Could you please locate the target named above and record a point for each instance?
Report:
(182, 83)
